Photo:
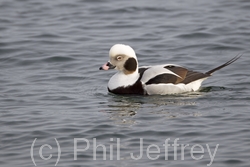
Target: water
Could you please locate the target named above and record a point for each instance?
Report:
(51, 88)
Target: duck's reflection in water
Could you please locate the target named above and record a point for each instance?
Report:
(124, 110)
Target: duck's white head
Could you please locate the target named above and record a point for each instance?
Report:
(121, 57)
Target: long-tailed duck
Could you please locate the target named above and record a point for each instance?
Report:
(150, 80)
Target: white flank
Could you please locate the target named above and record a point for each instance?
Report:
(163, 89)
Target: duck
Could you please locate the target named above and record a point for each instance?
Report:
(164, 79)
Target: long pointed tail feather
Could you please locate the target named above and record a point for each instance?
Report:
(224, 65)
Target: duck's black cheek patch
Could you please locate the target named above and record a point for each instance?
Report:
(130, 64)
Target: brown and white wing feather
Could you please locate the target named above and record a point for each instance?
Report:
(159, 74)
(173, 74)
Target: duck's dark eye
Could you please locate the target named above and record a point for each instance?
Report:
(118, 57)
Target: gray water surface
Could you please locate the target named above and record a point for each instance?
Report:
(51, 89)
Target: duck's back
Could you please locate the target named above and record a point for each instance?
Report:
(170, 79)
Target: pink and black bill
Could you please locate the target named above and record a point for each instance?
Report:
(107, 66)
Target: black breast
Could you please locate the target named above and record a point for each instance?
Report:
(136, 88)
